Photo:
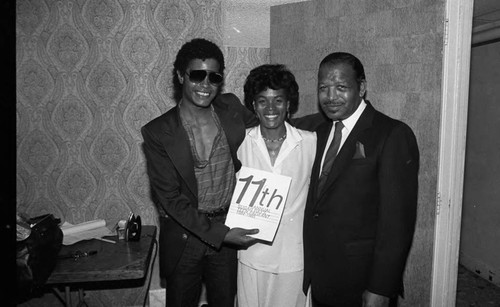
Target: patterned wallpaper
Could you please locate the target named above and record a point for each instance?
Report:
(89, 74)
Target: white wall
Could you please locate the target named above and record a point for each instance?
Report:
(480, 234)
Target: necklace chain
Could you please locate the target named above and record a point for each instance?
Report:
(275, 140)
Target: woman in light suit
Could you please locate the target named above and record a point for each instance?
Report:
(271, 274)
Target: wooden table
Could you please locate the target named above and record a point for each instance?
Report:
(120, 262)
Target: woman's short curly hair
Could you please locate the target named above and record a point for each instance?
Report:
(197, 48)
(272, 76)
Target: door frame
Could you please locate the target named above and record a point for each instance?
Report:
(453, 131)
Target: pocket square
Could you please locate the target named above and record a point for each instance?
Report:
(360, 151)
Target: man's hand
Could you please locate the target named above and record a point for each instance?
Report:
(240, 237)
(374, 300)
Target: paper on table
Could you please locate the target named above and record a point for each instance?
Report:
(84, 231)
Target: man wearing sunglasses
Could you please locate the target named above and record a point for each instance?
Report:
(191, 157)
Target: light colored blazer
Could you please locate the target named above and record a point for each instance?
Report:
(295, 159)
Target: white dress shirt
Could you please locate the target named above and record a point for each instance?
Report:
(349, 124)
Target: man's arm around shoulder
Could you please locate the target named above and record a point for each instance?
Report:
(309, 122)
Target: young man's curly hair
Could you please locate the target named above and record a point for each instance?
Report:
(272, 76)
(198, 48)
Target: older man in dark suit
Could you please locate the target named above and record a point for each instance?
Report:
(361, 208)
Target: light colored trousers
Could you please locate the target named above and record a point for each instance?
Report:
(263, 289)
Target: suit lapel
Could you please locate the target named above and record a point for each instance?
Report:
(344, 157)
(176, 143)
(227, 123)
(231, 125)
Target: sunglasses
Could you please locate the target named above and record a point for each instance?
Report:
(197, 76)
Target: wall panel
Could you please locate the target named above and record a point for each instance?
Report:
(400, 45)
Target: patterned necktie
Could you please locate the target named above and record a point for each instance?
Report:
(330, 155)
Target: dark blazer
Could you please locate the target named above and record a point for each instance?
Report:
(358, 232)
(171, 174)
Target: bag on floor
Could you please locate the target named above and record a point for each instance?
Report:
(39, 241)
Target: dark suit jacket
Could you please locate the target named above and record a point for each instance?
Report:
(171, 174)
(358, 232)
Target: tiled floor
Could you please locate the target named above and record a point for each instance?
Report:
(474, 291)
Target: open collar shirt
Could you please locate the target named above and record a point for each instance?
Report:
(295, 159)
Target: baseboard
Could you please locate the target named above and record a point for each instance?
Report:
(480, 268)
